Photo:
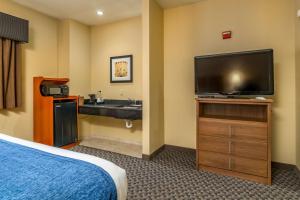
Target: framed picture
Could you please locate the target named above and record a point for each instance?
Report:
(121, 69)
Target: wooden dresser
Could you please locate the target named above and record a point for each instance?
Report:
(234, 137)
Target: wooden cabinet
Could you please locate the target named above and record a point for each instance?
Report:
(234, 137)
(43, 110)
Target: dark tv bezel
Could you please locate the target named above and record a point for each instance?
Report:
(239, 93)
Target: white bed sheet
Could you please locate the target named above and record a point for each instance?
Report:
(118, 174)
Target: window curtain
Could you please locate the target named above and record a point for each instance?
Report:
(10, 74)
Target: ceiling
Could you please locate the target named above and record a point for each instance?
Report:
(175, 3)
(84, 11)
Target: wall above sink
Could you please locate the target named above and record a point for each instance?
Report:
(107, 42)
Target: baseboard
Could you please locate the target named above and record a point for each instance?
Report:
(297, 171)
(151, 156)
(288, 167)
(284, 166)
(177, 148)
(169, 147)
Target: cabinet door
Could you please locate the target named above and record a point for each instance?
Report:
(213, 144)
(244, 132)
(215, 129)
(254, 150)
(249, 166)
(70, 123)
(65, 123)
(58, 125)
(213, 159)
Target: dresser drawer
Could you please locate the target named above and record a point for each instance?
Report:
(249, 166)
(216, 129)
(255, 150)
(213, 159)
(244, 132)
(213, 144)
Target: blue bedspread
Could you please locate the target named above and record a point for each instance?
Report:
(27, 173)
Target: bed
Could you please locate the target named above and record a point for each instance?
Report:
(30, 170)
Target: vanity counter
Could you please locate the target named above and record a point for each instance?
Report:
(120, 109)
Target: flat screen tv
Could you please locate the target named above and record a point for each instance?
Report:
(242, 73)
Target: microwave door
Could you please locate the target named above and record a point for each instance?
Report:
(55, 91)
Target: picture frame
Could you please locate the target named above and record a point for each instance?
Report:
(121, 69)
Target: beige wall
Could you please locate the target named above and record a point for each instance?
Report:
(79, 71)
(39, 58)
(146, 77)
(116, 39)
(297, 24)
(74, 56)
(156, 64)
(153, 76)
(64, 48)
(196, 30)
(79, 68)
(74, 63)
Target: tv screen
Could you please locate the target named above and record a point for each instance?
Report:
(243, 73)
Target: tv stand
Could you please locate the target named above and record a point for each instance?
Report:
(234, 137)
(223, 97)
(214, 97)
(231, 97)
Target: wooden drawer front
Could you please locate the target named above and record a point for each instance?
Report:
(214, 144)
(249, 132)
(213, 128)
(249, 166)
(213, 160)
(255, 150)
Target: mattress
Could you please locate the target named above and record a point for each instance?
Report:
(117, 174)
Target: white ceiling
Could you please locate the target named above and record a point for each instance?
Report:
(84, 11)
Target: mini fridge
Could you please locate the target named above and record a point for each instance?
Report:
(65, 123)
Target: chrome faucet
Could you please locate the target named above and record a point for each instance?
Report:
(131, 101)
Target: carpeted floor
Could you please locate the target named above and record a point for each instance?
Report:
(172, 175)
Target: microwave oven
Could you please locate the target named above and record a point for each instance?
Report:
(55, 90)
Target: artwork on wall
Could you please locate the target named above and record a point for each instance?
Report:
(121, 69)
